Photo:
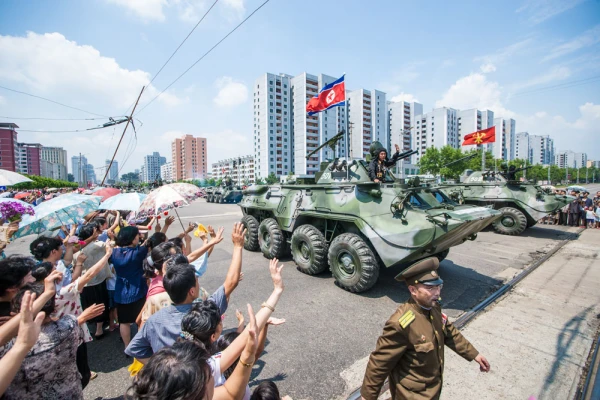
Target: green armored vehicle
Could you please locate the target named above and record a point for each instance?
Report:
(226, 193)
(343, 221)
(522, 204)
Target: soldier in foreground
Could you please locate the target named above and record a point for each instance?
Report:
(380, 163)
(411, 349)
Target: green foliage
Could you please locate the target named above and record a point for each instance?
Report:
(70, 178)
(246, 182)
(272, 179)
(40, 182)
(219, 182)
(130, 176)
(259, 181)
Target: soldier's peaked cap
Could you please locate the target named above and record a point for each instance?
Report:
(423, 271)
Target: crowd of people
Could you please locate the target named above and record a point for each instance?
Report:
(583, 211)
(104, 275)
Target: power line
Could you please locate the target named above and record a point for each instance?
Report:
(204, 55)
(55, 119)
(563, 85)
(51, 101)
(178, 47)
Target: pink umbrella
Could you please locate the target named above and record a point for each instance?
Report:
(107, 193)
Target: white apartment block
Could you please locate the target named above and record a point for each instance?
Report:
(505, 137)
(541, 150)
(570, 158)
(473, 120)
(166, 172)
(367, 117)
(240, 174)
(273, 125)
(151, 167)
(309, 132)
(437, 128)
(402, 124)
(521, 147)
(54, 163)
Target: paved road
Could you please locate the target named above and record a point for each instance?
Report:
(327, 329)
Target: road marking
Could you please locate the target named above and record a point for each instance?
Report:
(212, 215)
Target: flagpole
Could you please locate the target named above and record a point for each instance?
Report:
(482, 158)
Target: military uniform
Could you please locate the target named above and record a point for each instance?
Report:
(411, 349)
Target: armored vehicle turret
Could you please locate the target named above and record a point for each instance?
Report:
(227, 192)
(522, 204)
(344, 222)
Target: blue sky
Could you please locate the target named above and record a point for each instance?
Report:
(525, 59)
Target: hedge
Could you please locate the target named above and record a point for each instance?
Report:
(40, 182)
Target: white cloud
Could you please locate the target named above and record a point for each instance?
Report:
(541, 10)
(586, 39)
(231, 93)
(487, 68)
(448, 63)
(404, 97)
(147, 10)
(475, 91)
(504, 54)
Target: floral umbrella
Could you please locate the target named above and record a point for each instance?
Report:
(168, 197)
(62, 210)
(12, 210)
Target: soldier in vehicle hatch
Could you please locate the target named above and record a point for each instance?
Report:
(380, 163)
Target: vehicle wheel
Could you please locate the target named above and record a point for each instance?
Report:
(512, 222)
(217, 198)
(309, 250)
(222, 199)
(352, 263)
(271, 239)
(209, 198)
(251, 239)
(442, 255)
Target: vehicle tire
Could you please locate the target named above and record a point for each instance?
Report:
(209, 198)
(222, 199)
(442, 255)
(217, 198)
(309, 250)
(270, 239)
(512, 222)
(352, 263)
(251, 240)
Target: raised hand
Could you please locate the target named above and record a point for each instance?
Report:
(29, 327)
(51, 280)
(397, 148)
(240, 317)
(169, 220)
(275, 321)
(276, 274)
(109, 247)
(218, 238)
(247, 356)
(238, 234)
(91, 312)
(190, 228)
(211, 231)
(81, 258)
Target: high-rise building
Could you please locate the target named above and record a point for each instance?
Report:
(437, 128)
(402, 124)
(151, 167)
(541, 150)
(79, 169)
(473, 120)
(241, 173)
(8, 146)
(113, 174)
(29, 158)
(503, 148)
(570, 158)
(367, 117)
(166, 172)
(90, 175)
(521, 146)
(54, 163)
(190, 155)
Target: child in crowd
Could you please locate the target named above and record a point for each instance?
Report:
(590, 217)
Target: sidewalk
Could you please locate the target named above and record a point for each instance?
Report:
(538, 337)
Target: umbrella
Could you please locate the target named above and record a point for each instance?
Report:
(168, 197)
(62, 210)
(9, 178)
(123, 201)
(22, 195)
(106, 193)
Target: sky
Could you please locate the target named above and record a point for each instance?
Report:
(537, 61)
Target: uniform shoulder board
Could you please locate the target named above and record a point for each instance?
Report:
(406, 319)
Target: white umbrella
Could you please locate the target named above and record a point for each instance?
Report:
(123, 201)
(9, 178)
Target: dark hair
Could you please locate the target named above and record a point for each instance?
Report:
(178, 372)
(162, 252)
(13, 270)
(202, 321)
(99, 221)
(38, 289)
(177, 241)
(266, 390)
(42, 270)
(126, 236)
(87, 231)
(221, 344)
(43, 246)
(178, 280)
(156, 239)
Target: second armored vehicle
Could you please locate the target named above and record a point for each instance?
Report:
(343, 221)
(522, 204)
(226, 193)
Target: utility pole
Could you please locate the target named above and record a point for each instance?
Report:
(123, 134)
(350, 150)
(586, 175)
(80, 174)
(578, 176)
(549, 181)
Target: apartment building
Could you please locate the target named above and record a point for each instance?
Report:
(151, 167)
(503, 148)
(367, 117)
(570, 158)
(8, 146)
(402, 123)
(29, 158)
(54, 163)
(190, 156)
(437, 128)
(541, 150)
(166, 172)
(79, 168)
(242, 172)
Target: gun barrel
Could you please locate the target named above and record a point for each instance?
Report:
(407, 154)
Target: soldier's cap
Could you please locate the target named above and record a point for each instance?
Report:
(423, 271)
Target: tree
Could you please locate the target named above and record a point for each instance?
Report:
(272, 179)
(246, 182)
(210, 182)
(70, 178)
(259, 181)
(219, 182)
(40, 182)
(130, 176)
(430, 162)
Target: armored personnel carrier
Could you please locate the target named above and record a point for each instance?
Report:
(226, 193)
(522, 204)
(343, 221)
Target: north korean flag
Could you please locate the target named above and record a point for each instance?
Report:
(332, 95)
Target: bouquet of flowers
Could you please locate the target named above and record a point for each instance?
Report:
(12, 211)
